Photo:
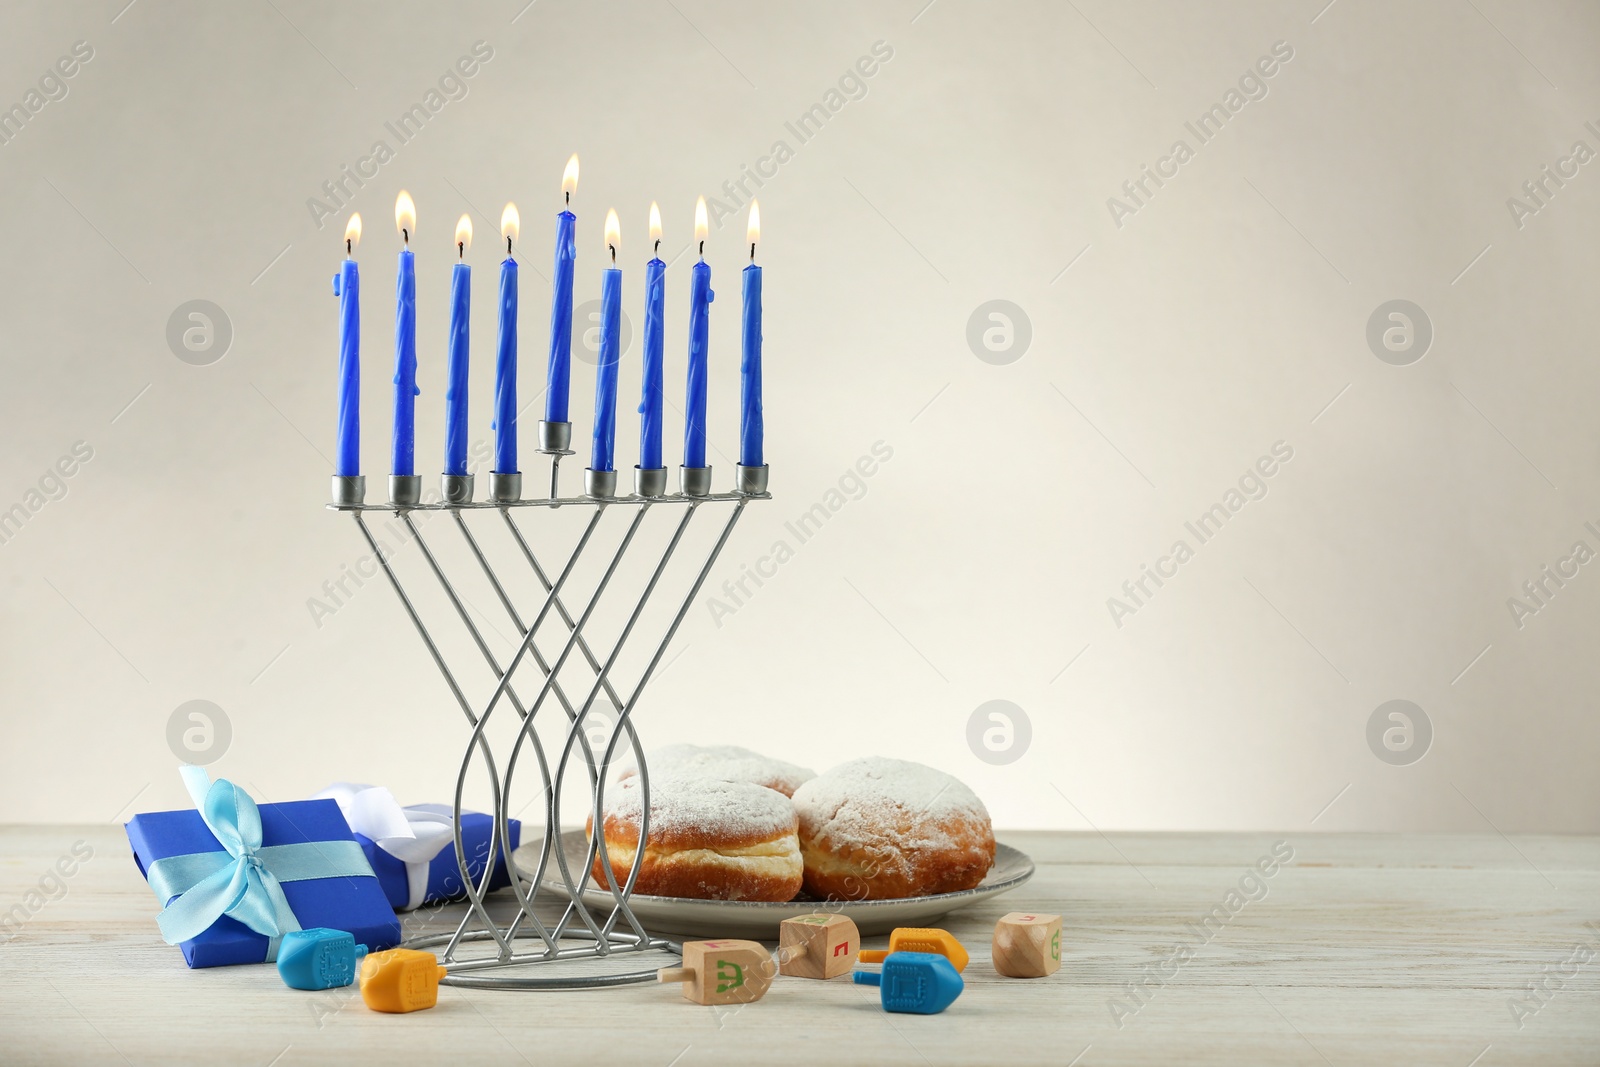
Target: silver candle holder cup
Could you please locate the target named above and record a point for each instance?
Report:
(650, 481)
(349, 490)
(405, 490)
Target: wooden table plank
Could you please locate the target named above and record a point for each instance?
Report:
(1361, 949)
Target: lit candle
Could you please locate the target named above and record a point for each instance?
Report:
(405, 343)
(750, 426)
(505, 365)
(605, 382)
(455, 394)
(655, 299)
(347, 287)
(700, 297)
(560, 379)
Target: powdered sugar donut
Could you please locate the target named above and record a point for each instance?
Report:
(709, 839)
(727, 762)
(877, 828)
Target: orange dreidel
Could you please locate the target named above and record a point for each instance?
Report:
(400, 980)
(1027, 944)
(722, 972)
(917, 939)
(817, 946)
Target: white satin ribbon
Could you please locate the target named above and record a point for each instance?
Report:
(414, 834)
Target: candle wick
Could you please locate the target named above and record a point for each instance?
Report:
(613, 253)
(702, 250)
(405, 235)
(347, 249)
(658, 246)
(752, 251)
(461, 250)
(508, 245)
(567, 195)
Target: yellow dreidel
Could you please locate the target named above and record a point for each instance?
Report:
(722, 972)
(400, 980)
(917, 939)
(1027, 944)
(817, 946)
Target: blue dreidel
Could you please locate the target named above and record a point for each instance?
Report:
(921, 983)
(318, 959)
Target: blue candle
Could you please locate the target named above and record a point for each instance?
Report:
(505, 365)
(601, 457)
(750, 425)
(455, 394)
(655, 300)
(560, 378)
(347, 287)
(700, 297)
(405, 344)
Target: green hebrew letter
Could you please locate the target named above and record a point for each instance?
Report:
(729, 975)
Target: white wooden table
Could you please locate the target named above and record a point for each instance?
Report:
(1361, 950)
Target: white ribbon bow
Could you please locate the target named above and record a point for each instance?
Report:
(414, 834)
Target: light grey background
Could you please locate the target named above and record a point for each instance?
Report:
(1228, 313)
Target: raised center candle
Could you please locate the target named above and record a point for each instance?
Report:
(750, 424)
(700, 297)
(602, 456)
(347, 287)
(505, 364)
(652, 390)
(455, 394)
(405, 344)
(559, 382)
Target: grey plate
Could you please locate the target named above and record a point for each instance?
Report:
(760, 919)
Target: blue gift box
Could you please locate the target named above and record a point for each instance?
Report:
(444, 872)
(354, 903)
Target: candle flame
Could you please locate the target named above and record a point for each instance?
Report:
(510, 223)
(569, 177)
(613, 232)
(405, 215)
(701, 226)
(752, 232)
(463, 234)
(352, 232)
(655, 224)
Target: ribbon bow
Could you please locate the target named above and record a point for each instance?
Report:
(242, 881)
(414, 835)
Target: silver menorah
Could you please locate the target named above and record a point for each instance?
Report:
(482, 947)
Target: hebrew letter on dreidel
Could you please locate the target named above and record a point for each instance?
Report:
(721, 972)
(1027, 945)
(817, 946)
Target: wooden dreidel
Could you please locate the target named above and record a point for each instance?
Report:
(400, 980)
(918, 939)
(1027, 944)
(817, 946)
(722, 972)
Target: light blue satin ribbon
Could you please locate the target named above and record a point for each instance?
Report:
(243, 880)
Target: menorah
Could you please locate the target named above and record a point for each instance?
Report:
(482, 948)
